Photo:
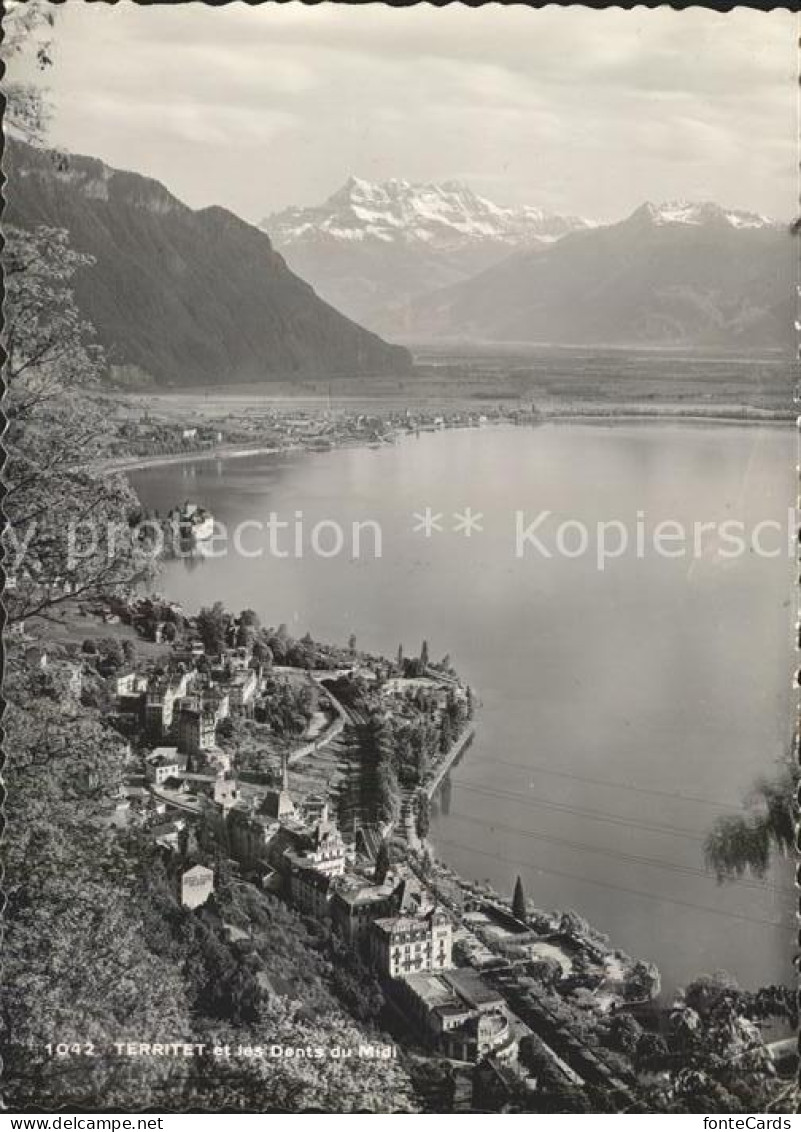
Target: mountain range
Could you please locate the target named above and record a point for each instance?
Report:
(191, 297)
(371, 245)
(677, 274)
(184, 296)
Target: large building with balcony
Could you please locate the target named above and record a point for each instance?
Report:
(406, 945)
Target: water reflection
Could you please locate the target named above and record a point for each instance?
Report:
(619, 709)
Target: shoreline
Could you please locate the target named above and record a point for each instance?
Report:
(447, 762)
(223, 452)
(124, 464)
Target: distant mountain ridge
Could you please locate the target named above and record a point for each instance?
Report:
(371, 244)
(680, 274)
(185, 296)
(443, 215)
(697, 213)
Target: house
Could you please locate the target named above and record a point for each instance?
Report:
(278, 804)
(402, 945)
(36, 657)
(159, 708)
(310, 889)
(314, 808)
(326, 851)
(355, 906)
(126, 682)
(166, 833)
(197, 885)
(242, 689)
(410, 898)
(212, 761)
(238, 659)
(225, 792)
(163, 763)
(197, 727)
(72, 672)
(250, 837)
(119, 815)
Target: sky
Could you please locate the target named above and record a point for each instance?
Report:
(574, 110)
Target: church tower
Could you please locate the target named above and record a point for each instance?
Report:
(278, 803)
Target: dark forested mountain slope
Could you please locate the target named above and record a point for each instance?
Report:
(185, 296)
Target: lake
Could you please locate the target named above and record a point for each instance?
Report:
(622, 709)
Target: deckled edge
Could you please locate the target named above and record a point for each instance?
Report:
(3, 424)
(796, 755)
(676, 5)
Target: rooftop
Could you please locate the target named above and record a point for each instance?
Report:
(199, 871)
(432, 990)
(362, 894)
(401, 925)
(164, 759)
(470, 986)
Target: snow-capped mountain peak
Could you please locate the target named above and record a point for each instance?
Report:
(449, 215)
(697, 213)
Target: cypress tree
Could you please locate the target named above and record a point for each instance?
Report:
(519, 901)
(383, 861)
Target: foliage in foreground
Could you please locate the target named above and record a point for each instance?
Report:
(98, 950)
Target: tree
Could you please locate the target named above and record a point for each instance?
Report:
(747, 842)
(262, 653)
(570, 923)
(383, 863)
(26, 31)
(374, 747)
(643, 981)
(651, 1052)
(67, 533)
(445, 734)
(424, 654)
(250, 617)
(248, 628)
(70, 526)
(212, 626)
(423, 815)
(547, 971)
(625, 1033)
(399, 660)
(718, 1058)
(71, 909)
(519, 909)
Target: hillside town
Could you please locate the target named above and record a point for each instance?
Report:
(467, 975)
(185, 789)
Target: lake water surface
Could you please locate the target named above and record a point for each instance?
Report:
(622, 710)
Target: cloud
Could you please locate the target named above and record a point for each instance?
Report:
(586, 111)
